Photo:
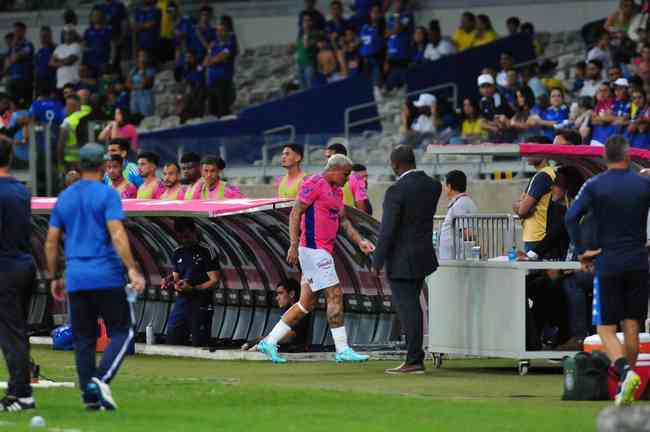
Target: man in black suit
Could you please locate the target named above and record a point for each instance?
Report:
(406, 248)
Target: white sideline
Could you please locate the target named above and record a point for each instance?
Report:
(232, 354)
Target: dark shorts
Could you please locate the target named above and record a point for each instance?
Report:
(86, 307)
(620, 297)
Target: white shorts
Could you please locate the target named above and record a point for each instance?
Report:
(317, 268)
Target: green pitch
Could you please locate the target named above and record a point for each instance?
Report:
(171, 394)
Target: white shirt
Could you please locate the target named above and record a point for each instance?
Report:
(423, 124)
(444, 48)
(458, 206)
(597, 53)
(502, 79)
(590, 88)
(67, 74)
(405, 173)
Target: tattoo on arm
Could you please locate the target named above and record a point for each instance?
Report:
(349, 230)
(294, 222)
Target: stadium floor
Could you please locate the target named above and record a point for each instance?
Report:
(178, 394)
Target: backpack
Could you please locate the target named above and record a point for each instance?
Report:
(585, 376)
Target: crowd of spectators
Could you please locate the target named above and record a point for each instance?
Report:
(607, 94)
(381, 41)
(117, 57)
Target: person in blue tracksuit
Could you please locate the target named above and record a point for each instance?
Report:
(619, 200)
(89, 214)
(196, 273)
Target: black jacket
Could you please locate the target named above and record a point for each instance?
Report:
(405, 237)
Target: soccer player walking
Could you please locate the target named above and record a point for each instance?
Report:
(90, 215)
(313, 225)
(619, 200)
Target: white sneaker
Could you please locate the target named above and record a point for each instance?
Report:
(105, 394)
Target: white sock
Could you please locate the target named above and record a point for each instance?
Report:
(340, 339)
(280, 330)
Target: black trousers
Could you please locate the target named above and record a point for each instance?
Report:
(406, 297)
(22, 91)
(15, 295)
(221, 96)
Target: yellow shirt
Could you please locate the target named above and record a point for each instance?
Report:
(488, 37)
(463, 40)
(166, 22)
(472, 127)
(535, 224)
(551, 83)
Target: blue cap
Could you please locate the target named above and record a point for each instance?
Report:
(92, 153)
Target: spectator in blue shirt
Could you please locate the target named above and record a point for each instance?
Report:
(117, 18)
(183, 27)
(373, 46)
(97, 41)
(96, 247)
(17, 272)
(45, 75)
(147, 26)
(419, 46)
(47, 109)
(335, 28)
(20, 66)
(317, 18)
(554, 117)
(202, 35)
(192, 74)
(637, 132)
(610, 123)
(404, 16)
(219, 63)
(580, 75)
(227, 21)
(398, 57)
(140, 82)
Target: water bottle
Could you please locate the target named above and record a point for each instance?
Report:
(149, 334)
(476, 253)
(512, 254)
(647, 325)
(131, 294)
(434, 240)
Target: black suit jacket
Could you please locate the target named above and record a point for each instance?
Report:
(405, 237)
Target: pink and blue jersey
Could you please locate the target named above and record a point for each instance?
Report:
(320, 223)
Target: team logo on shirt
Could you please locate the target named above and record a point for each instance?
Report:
(334, 213)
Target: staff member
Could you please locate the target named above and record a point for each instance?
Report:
(619, 200)
(196, 273)
(405, 247)
(17, 272)
(460, 204)
(90, 215)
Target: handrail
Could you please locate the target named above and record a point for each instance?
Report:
(266, 147)
(349, 125)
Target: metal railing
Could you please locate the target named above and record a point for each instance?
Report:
(352, 124)
(494, 234)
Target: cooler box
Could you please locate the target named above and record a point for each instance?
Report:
(592, 343)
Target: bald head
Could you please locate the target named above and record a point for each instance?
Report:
(402, 159)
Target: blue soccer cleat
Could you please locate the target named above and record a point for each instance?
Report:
(627, 388)
(271, 351)
(350, 356)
